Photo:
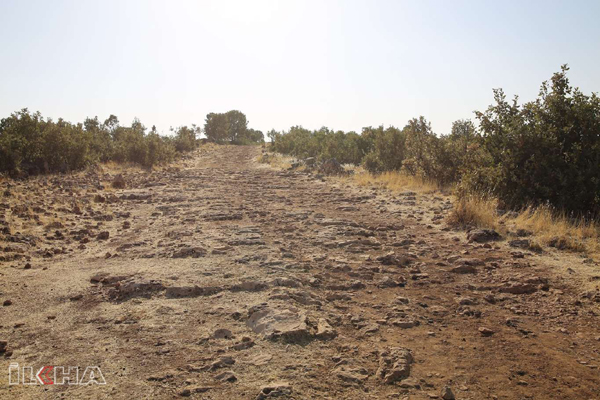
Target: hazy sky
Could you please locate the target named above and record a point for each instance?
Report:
(340, 64)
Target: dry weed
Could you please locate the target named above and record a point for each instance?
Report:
(559, 230)
(276, 160)
(474, 211)
(394, 181)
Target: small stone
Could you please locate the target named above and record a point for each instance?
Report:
(483, 235)
(118, 182)
(324, 330)
(7, 303)
(27, 266)
(405, 324)
(490, 298)
(520, 243)
(466, 301)
(464, 269)
(246, 343)
(185, 393)
(222, 334)
(222, 362)
(486, 331)
(278, 389)
(447, 393)
(226, 376)
(103, 235)
(394, 365)
(387, 282)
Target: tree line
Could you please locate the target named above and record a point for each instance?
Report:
(543, 152)
(30, 144)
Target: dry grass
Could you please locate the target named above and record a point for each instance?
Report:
(206, 147)
(474, 211)
(115, 168)
(555, 228)
(394, 181)
(276, 160)
(548, 227)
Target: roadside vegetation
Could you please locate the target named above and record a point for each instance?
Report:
(535, 165)
(30, 144)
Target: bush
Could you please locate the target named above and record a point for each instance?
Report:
(159, 150)
(185, 138)
(31, 145)
(444, 158)
(346, 148)
(544, 152)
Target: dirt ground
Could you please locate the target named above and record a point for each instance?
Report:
(226, 279)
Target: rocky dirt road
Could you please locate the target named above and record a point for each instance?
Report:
(227, 279)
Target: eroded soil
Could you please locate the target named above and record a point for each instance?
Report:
(227, 279)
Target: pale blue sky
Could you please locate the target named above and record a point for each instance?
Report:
(341, 64)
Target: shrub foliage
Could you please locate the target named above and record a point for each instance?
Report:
(546, 151)
(30, 144)
(231, 127)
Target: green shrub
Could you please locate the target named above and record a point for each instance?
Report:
(159, 150)
(346, 148)
(31, 145)
(185, 138)
(544, 152)
(388, 149)
(441, 159)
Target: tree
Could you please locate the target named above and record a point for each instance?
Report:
(216, 127)
(272, 135)
(111, 123)
(254, 136)
(238, 125)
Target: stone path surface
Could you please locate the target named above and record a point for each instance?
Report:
(226, 279)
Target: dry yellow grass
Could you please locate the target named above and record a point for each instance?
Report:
(276, 160)
(475, 211)
(552, 227)
(546, 225)
(206, 147)
(114, 168)
(395, 181)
